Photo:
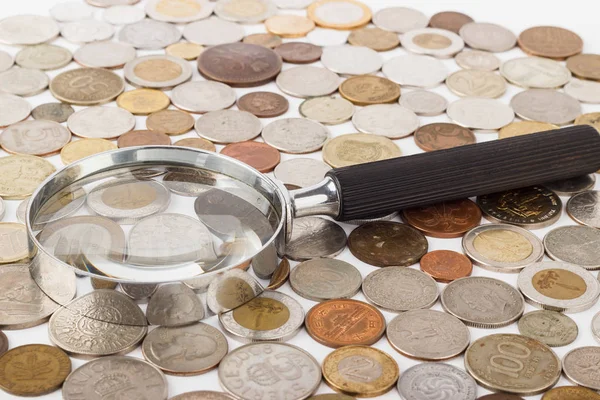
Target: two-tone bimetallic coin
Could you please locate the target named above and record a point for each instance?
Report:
(574, 245)
(549, 327)
(422, 380)
(322, 279)
(584, 208)
(157, 72)
(439, 43)
(578, 366)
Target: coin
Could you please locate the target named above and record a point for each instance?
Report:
(214, 31)
(476, 83)
(299, 52)
(101, 122)
(245, 11)
(307, 81)
(374, 38)
(314, 237)
(57, 112)
(105, 54)
(143, 138)
(549, 327)
(13, 109)
(280, 276)
(44, 57)
(327, 37)
(439, 136)
(449, 20)
(3, 343)
(584, 208)
(550, 42)
(358, 148)
(500, 396)
(327, 110)
(203, 96)
(322, 279)
(559, 287)
(360, 370)
(570, 393)
(263, 104)
(258, 155)
(46, 368)
(179, 11)
(400, 19)
(534, 367)
(423, 102)
(519, 128)
(328, 396)
(584, 91)
(535, 72)
(415, 70)
(576, 366)
(546, 106)
(431, 41)
(186, 50)
(87, 86)
(584, 66)
(149, 34)
(488, 37)
(301, 172)
(143, 101)
(16, 30)
(480, 113)
(203, 395)
(592, 119)
(369, 89)
(174, 304)
(87, 31)
(268, 40)
(571, 186)
(36, 138)
(20, 175)
(446, 266)
(23, 81)
(6, 61)
(228, 126)
(476, 59)
(123, 14)
(157, 72)
(196, 143)
(295, 135)
(351, 60)
(502, 248)
(171, 122)
(444, 220)
(575, 245)
(110, 3)
(138, 292)
(339, 14)
(389, 120)
(289, 26)
(92, 379)
(423, 379)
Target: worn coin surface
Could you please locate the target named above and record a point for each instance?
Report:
(157, 72)
(446, 266)
(149, 34)
(578, 366)
(301, 172)
(263, 104)
(400, 19)
(171, 122)
(268, 40)
(228, 126)
(101, 122)
(87, 86)
(143, 101)
(174, 304)
(258, 155)
(585, 66)
(37, 138)
(13, 109)
(439, 43)
(17, 30)
(203, 96)
(358, 148)
(20, 175)
(289, 26)
(295, 135)
(571, 186)
(546, 105)
(535, 72)
(389, 120)
(584, 208)
(197, 143)
(500, 396)
(423, 102)
(575, 245)
(57, 112)
(328, 110)
(23, 81)
(570, 393)
(179, 11)
(549, 327)
(550, 42)
(214, 31)
(87, 31)
(104, 54)
(449, 20)
(186, 50)
(519, 128)
(314, 237)
(308, 81)
(299, 52)
(374, 38)
(442, 135)
(444, 220)
(430, 379)
(480, 113)
(415, 70)
(324, 279)
(351, 60)
(488, 37)
(369, 89)
(44, 57)
(123, 14)
(477, 59)
(138, 292)
(476, 83)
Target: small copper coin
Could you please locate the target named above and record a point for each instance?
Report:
(280, 276)
(449, 20)
(550, 42)
(197, 143)
(374, 38)
(442, 135)
(239, 64)
(256, 154)
(501, 396)
(171, 122)
(449, 219)
(364, 90)
(143, 138)
(446, 266)
(263, 104)
(299, 53)
(570, 393)
(585, 66)
(344, 322)
(268, 40)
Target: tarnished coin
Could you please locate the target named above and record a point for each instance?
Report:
(179, 11)
(196, 143)
(157, 72)
(186, 50)
(502, 248)
(389, 120)
(325, 279)
(549, 327)
(422, 380)
(138, 292)
(339, 14)
(374, 38)
(585, 66)
(17, 30)
(104, 54)
(449, 20)
(477, 59)
(519, 128)
(327, 37)
(13, 109)
(149, 34)
(327, 110)
(36, 138)
(575, 245)
(57, 112)
(423, 102)
(358, 148)
(23, 81)
(488, 37)
(400, 19)
(444, 220)
(203, 395)
(570, 393)
(203, 96)
(415, 70)
(546, 105)
(268, 40)
(592, 119)
(439, 136)
(87, 86)
(480, 113)
(351, 60)
(258, 155)
(577, 366)
(584, 91)
(87, 31)
(308, 81)
(439, 43)
(584, 208)
(280, 276)
(6, 61)
(314, 237)
(228, 126)
(295, 135)
(3, 343)
(301, 172)
(571, 186)
(101, 122)
(123, 14)
(446, 266)
(289, 26)
(174, 304)
(263, 104)
(299, 52)
(360, 370)
(143, 101)
(20, 175)
(550, 42)
(476, 83)
(535, 72)
(143, 379)
(171, 122)
(214, 31)
(369, 89)
(44, 57)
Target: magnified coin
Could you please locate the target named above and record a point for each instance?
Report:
(439, 43)
(6, 61)
(339, 14)
(327, 37)
(16, 30)
(20, 175)
(101, 122)
(390, 120)
(149, 34)
(374, 38)
(550, 42)
(519, 128)
(308, 81)
(535, 72)
(44, 57)
(37, 138)
(571, 186)
(423, 102)
(299, 52)
(570, 393)
(123, 15)
(420, 380)
(295, 135)
(584, 91)
(13, 109)
(584, 208)
(87, 86)
(488, 37)
(87, 31)
(446, 266)
(257, 155)
(449, 20)
(174, 304)
(480, 113)
(157, 72)
(104, 54)
(322, 279)
(289, 26)
(143, 101)
(445, 220)
(369, 89)
(203, 96)
(439, 136)
(400, 19)
(351, 60)
(301, 172)
(576, 366)
(186, 50)
(179, 11)
(476, 83)
(23, 81)
(263, 104)
(549, 327)
(415, 70)
(82, 148)
(327, 110)
(197, 143)
(476, 59)
(546, 106)
(268, 40)
(358, 148)
(314, 237)
(57, 112)
(584, 66)
(214, 31)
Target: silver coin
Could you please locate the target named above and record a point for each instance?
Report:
(101, 122)
(71, 11)
(558, 286)
(110, 3)
(44, 57)
(399, 289)
(477, 59)
(6, 61)
(579, 366)
(400, 19)
(295, 135)
(307, 81)
(427, 381)
(228, 126)
(502, 247)
(323, 279)
(141, 72)
(327, 110)
(231, 290)
(104, 54)
(439, 43)
(596, 327)
(479, 113)
(476, 83)
(2, 209)
(423, 102)
(203, 395)
(483, 302)
(24, 30)
(584, 208)
(327, 37)
(584, 91)
(174, 304)
(488, 37)
(289, 372)
(127, 377)
(138, 292)
(389, 120)
(23, 81)
(292, 4)
(87, 31)
(549, 327)
(178, 11)
(37, 137)
(415, 70)
(13, 109)
(571, 186)
(535, 72)
(301, 172)
(351, 60)
(123, 15)
(149, 34)
(57, 112)
(203, 96)
(546, 105)
(213, 31)
(579, 245)
(314, 237)
(245, 11)
(100, 323)
(61, 206)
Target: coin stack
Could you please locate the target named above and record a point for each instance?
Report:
(291, 88)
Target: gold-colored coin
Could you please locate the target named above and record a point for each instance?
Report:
(325, 13)
(268, 40)
(280, 276)
(82, 148)
(503, 246)
(289, 26)
(364, 90)
(33, 370)
(592, 119)
(171, 122)
(20, 175)
(374, 38)
(197, 143)
(186, 50)
(143, 101)
(98, 284)
(262, 314)
(87, 86)
(559, 284)
(358, 148)
(360, 371)
(157, 70)
(14, 244)
(571, 393)
(525, 128)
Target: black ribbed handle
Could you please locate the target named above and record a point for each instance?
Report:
(382, 187)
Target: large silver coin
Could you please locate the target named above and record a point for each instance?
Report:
(245, 11)
(476, 59)
(101, 122)
(483, 302)
(289, 372)
(23, 81)
(87, 31)
(476, 83)
(571, 186)
(213, 31)
(179, 11)
(43, 56)
(26, 30)
(6, 61)
(584, 208)
(119, 377)
(308, 81)
(174, 304)
(399, 289)
(295, 135)
(584, 91)
(400, 19)
(301, 172)
(579, 245)
(546, 105)
(142, 72)
(323, 279)
(36, 138)
(13, 109)
(423, 102)
(535, 72)
(314, 237)
(327, 110)
(439, 43)
(228, 126)
(415, 70)
(203, 395)
(424, 381)
(478, 113)
(105, 54)
(149, 34)
(488, 37)
(389, 120)
(549, 327)
(123, 15)
(428, 335)
(351, 60)
(203, 96)
(578, 366)
(71, 11)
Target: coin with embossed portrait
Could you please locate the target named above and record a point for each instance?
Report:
(44, 57)
(36, 138)
(358, 148)
(584, 208)
(424, 379)
(575, 245)
(423, 102)
(445, 220)
(87, 86)
(576, 366)
(20, 175)
(157, 72)
(23, 82)
(263, 104)
(179, 11)
(369, 89)
(174, 304)
(549, 327)
(314, 237)
(307, 81)
(149, 34)
(324, 279)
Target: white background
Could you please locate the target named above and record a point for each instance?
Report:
(578, 15)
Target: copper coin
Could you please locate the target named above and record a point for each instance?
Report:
(446, 265)
(263, 104)
(449, 20)
(268, 40)
(3, 343)
(442, 135)
(239, 64)
(196, 143)
(280, 276)
(386, 243)
(585, 66)
(171, 122)
(143, 138)
(550, 42)
(299, 53)
(256, 154)
(364, 90)
(344, 322)
(449, 219)
(500, 396)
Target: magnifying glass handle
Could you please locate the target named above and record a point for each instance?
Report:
(382, 187)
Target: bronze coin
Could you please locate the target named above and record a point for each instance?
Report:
(364, 90)
(386, 243)
(263, 104)
(570, 393)
(171, 122)
(500, 396)
(446, 266)
(268, 40)
(196, 143)
(143, 138)
(449, 219)
(442, 135)
(239, 64)
(550, 42)
(299, 53)
(374, 38)
(258, 155)
(585, 66)
(449, 20)
(3, 343)
(280, 276)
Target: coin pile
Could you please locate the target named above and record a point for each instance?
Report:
(152, 70)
